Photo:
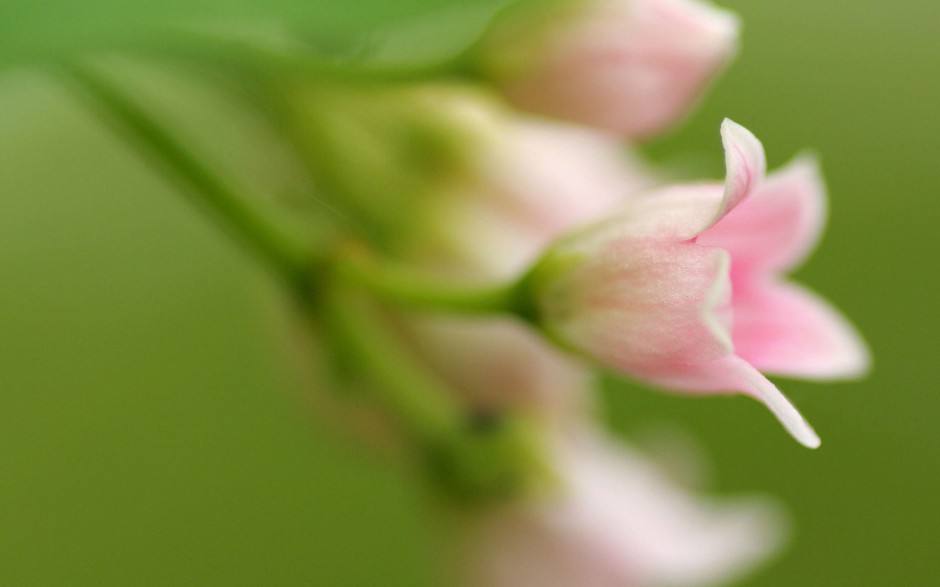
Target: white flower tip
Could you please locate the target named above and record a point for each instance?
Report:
(847, 355)
(724, 25)
(810, 439)
(852, 362)
(743, 149)
(792, 420)
(786, 413)
(859, 363)
(790, 417)
(806, 166)
(808, 161)
(806, 170)
(745, 164)
(730, 23)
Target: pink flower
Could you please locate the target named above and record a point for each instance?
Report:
(630, 66)
(616, 521)
(685, 289)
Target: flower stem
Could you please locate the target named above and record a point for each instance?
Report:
(402, 286)
(470, 461)
(296, 58)
(418, 402)
(289, 259)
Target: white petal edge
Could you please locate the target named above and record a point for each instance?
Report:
(786, 413)
(718, 298)
(745, 165)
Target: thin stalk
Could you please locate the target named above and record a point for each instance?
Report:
(416, 400)
(470, 459)
(290, 260)
(401, 286)
(298, 59)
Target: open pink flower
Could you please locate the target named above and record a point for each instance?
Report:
(685, 289)
(616, 521)
(630, 66)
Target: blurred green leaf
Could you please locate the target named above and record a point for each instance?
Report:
(34, 31)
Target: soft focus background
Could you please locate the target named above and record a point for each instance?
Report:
(150, 433)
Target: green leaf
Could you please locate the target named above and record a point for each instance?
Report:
(32, 31)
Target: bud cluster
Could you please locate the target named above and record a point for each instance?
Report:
(515, 242)
(494, 241)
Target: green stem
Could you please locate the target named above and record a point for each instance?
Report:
(290, 260)
(352, 71)
(294, 58)
(401, 286)
(417, 401)
(471, 459)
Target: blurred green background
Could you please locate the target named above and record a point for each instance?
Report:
(151, 434)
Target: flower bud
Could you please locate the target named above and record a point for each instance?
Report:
(527, 182)
(497, 365)
(629, 66)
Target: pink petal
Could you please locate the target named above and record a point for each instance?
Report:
(732, 373)
(646, 307)
(776, 228)
(745, 164)
(615, 521)
(678, 212)
(675, 538)
(683, 212)
(751, 382)
(784, 329)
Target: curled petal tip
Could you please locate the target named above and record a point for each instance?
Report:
(809, 440)
(744, 155)
(759, 387)
(789, 416)
(745, 165)
(739, 141)
(808, 161)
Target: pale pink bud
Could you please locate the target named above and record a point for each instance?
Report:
(685, 288)
(524, 182)
(497, 364)
(630, 66)
(527, 183)
(616, 521)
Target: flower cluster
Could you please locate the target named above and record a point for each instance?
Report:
(537, 246)
(495, 240)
